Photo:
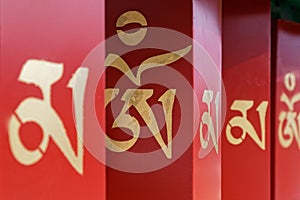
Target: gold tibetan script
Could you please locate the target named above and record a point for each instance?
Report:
(243, 106)
(44, 74)
(137, 98)
(289, 121)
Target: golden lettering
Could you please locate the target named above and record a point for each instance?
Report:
(243, 106)
(131, 39)
(291, 119)
(44, 74)
(115, 61)
(207, 120)
(138, 99)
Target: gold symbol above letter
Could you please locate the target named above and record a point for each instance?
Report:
(131, 39)
(289, 122)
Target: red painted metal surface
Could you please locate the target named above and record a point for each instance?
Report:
(174, 181)
(59, 32)
(246, 75)
(207, 31)
(188, 177)
(287, 162)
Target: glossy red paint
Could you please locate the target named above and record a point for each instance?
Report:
(287, 161)
(55, 31)
(174, 181)
(188, 177)
(246, 74)
(208, 32)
